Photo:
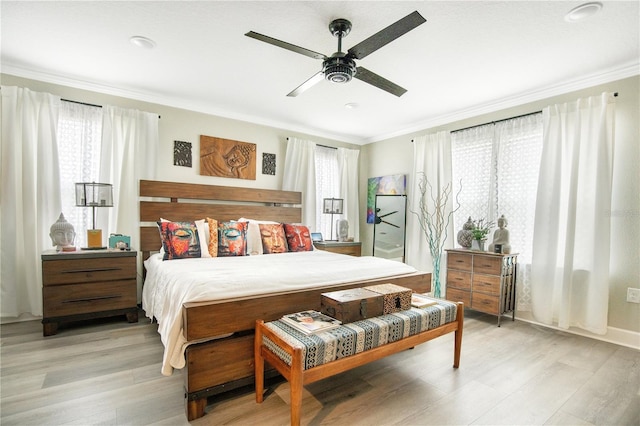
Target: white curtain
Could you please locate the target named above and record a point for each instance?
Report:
(129, 150)
(327, 186)
(432, 157)
(570, 266)
(348, 171)
(299, 175)
(30, 197)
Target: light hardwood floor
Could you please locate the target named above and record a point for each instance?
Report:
(108, 373)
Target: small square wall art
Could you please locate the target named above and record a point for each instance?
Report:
(182, 153)
(383, 185)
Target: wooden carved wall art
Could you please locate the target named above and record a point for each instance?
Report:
(227, 158)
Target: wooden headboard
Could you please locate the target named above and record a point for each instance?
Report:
(189, 202)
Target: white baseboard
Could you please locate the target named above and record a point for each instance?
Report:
(618, 336)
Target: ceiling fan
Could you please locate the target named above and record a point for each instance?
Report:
(341, 67)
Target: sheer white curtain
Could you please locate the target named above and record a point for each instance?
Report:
(299, 175)
(129, 150)
(570, 267)
(432, 156)
(79, 139)
(348, 171)
(497, 166)
(327, 186)
(30, 197)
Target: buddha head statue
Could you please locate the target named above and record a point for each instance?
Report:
(62, 233)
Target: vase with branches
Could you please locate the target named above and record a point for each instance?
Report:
(434, 217)
(480, 231)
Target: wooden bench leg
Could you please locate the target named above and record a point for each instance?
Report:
(296, 387)
(195, 408)
(458, 335)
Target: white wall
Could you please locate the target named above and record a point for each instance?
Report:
(395, 155)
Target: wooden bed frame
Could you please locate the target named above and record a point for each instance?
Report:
(220, 365)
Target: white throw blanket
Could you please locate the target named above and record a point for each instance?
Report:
(170, 284)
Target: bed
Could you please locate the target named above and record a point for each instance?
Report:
(206, 320)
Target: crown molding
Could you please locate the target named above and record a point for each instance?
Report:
(628, 70)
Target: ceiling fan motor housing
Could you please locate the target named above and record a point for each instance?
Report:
(339, 69)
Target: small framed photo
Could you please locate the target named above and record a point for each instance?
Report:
(497, 248)
(316, 237)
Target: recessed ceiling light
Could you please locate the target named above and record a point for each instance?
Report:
(582, 12)
(351, 105)
(143, 42)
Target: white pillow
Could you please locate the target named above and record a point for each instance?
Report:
(254, 240)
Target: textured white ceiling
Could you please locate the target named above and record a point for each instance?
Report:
(469, 57)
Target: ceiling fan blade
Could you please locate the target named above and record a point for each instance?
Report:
(374, 79)
(387, 35)
(315, 79)
(286, 45)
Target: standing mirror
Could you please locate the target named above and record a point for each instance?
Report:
(389, 227)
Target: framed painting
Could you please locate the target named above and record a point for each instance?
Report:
(383, 185)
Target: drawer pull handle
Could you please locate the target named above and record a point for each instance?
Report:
(82, 271)
(89, 299)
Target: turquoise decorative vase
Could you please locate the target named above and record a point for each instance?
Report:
(435, 277)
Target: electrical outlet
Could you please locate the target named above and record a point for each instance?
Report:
(633, 295)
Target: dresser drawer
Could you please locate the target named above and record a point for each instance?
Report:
(62, 300)
(456, 295)
(459, 261)
(485, 303)
(487, 265)
(55, 272)
(459, 280)
(488, 284)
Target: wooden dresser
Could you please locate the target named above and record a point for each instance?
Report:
(87, 284)
(351, 248)
(483, 281)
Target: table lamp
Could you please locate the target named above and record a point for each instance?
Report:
(332, 206)
(92, 194)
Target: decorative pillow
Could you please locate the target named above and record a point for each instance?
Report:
(232, 239)
(179, 239)
(254, 240)
(212, 244)
(273, 240)
(298, 237)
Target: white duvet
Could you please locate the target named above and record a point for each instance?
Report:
(170, 284)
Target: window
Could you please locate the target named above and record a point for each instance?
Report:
(497, 166)
(327, 186)
(79, 135)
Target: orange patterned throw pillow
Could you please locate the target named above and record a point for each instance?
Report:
(179, 240)
(213, 237)
(298, 237)
(273, 239)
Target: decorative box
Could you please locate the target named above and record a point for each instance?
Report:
(352, 305)
(119, 241)
(395, 297)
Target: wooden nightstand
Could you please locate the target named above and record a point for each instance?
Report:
(483, 281)
(87, 284)
(349, 247)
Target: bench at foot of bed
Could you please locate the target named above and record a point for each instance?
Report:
(304, 359)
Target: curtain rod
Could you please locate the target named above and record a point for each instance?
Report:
(324, 146)
(615, 94)
(87, 104)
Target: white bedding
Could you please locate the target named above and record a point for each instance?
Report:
(170, 284)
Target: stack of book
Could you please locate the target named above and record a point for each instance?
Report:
(422, 301)
(311, 321)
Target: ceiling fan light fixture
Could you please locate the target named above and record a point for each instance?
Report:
(339, 70)
(582, 12)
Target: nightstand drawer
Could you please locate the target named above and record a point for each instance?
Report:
(457, 279)
(488, 284)
(55, 272)
(75, 299)
(459, 261)
(484, 303)
(487, 265)
(456, 295)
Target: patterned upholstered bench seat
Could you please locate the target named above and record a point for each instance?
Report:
(304, 359)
